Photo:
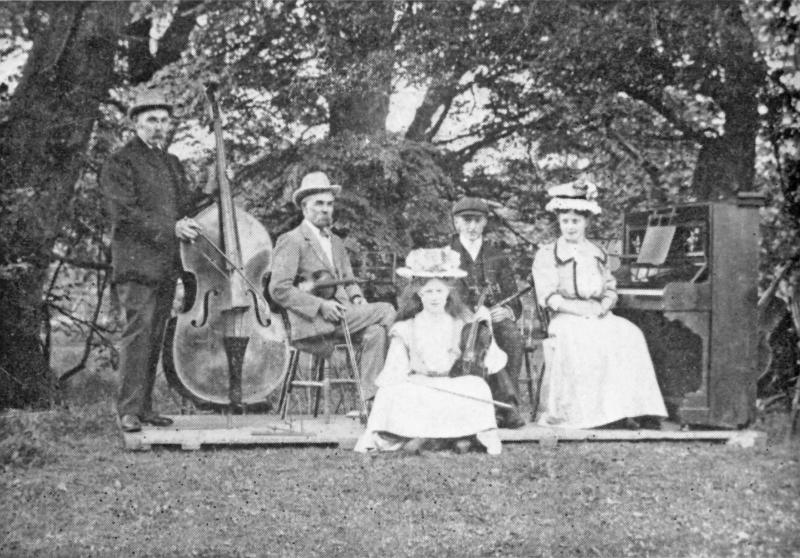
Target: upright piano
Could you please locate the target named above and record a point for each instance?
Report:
(688, 279)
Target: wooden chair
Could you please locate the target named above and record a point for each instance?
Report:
(534, 336)
(322, 351)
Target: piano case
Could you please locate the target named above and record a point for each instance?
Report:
(696, 304)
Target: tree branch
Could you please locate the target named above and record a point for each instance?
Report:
(658, 105)
(652, 170)
(83, 264)
(87, 347)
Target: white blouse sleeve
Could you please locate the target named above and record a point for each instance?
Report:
(545, 277)
(397, 366)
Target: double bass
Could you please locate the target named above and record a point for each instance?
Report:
(225, 349)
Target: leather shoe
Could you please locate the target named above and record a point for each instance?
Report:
(414, 446)
(510, 418)
(462, 446)
(155, 420)
(649, 422)
(130, 423)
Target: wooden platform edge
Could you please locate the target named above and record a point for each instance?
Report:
(346, 437)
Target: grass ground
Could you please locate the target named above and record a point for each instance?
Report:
(68, 489)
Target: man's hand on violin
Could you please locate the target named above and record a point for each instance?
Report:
(331, 311)
(483, 314)
(501, 313)
(187, 229)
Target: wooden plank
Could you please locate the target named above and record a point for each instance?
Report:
(195, 431)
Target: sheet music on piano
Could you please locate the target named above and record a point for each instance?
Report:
(662, 246)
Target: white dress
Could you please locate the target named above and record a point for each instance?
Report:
(598, 370)
(412, 399)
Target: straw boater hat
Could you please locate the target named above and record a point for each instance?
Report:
(149, 100)
(578, 195)
(314, 183)
(433, 262)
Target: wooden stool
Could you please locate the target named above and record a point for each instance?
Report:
(319, 381)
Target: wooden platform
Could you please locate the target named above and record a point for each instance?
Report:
(192, 432)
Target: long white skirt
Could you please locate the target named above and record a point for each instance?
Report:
(597, 371)
(416, 409)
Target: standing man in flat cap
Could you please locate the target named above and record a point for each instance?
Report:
(311, 249)
(488, 268)
(148, 198)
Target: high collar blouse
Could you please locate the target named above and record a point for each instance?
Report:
(572, 270)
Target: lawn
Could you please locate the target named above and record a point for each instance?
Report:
(68, 489)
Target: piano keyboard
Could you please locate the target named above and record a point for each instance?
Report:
(641, 292)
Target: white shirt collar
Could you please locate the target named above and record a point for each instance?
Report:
(317, 231)
(473, 247)
(324, 241)
(153, 146)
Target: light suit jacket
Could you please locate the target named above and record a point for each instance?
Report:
(299, 253)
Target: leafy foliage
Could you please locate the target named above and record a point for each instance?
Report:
(658, 102)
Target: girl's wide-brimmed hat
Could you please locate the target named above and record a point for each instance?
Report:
(578, 195)
(433, 262)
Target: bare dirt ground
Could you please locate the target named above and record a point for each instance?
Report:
(68, 489)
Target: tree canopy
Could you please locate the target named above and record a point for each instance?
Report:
(660, 102)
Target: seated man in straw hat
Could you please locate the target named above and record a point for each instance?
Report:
(310, 250)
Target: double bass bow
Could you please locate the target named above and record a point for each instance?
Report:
(225, 350)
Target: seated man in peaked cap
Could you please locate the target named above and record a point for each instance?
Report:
(488, 268)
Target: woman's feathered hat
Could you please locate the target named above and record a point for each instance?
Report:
(433, 262)
(578, 195)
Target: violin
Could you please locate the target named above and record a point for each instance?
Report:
(323, 284)
(224, 349)
(475, 341)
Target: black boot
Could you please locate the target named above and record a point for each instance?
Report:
(503, 391)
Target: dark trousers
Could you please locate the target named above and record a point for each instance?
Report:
(503, 383)
(509, 339)
(146, 309)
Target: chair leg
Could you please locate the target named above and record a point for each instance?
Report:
(529, 378)
(319, 376)
(286, 389)
(355, 372)
(535, 402)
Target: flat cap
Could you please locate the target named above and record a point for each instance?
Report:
(474, 206)
(149, 100)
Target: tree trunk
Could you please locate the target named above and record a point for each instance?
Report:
(364, 31)
(726, 164)
(43, 140)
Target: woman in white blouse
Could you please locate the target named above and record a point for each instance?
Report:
(417, 401)
(598, 368)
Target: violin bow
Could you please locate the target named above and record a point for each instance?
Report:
(466, 396)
